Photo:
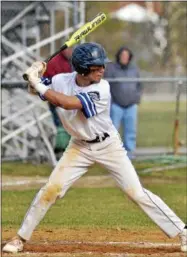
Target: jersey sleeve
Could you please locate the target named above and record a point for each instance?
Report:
(94, 102)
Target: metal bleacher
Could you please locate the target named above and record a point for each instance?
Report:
(29, 33)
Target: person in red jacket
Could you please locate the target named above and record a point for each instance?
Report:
(59, 64)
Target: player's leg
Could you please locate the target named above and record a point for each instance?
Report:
(73, 164)
(116, 114)
(129, 129)
(70, 167)
(115, 159)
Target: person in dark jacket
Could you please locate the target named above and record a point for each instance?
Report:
(59, 64)
(125, 96)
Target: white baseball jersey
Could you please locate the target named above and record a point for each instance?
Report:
(94, 118)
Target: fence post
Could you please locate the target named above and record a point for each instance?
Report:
(176, 140)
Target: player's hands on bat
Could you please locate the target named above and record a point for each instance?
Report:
(38, 66)
(34, 73)
(33, 77)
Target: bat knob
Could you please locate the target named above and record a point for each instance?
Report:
(25, 76)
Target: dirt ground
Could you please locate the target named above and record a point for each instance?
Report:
(97, 242)
(23, 182)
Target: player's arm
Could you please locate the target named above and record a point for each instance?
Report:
(55, 98)
(62, 100)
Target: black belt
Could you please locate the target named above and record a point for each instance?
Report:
(98, 138)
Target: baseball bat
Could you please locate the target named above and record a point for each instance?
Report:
(78, 36)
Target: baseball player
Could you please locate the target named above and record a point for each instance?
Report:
(83, 103)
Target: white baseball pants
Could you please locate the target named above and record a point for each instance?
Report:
(75, 162)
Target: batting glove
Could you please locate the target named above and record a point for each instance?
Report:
(36, 82)
(40, 67)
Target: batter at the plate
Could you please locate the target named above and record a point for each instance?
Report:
(83, 100)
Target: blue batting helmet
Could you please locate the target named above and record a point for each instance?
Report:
(86, 55)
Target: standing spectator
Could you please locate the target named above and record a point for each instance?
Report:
(59, 64)
(125, 97)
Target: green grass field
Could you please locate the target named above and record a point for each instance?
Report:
(100, 207)
(156, 123)
(92, 214)
(28, 169)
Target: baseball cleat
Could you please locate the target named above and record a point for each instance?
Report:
(183, 237)
(13, 246)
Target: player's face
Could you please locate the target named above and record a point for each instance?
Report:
(96, 73)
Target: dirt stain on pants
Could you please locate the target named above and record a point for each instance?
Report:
(51, 193)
